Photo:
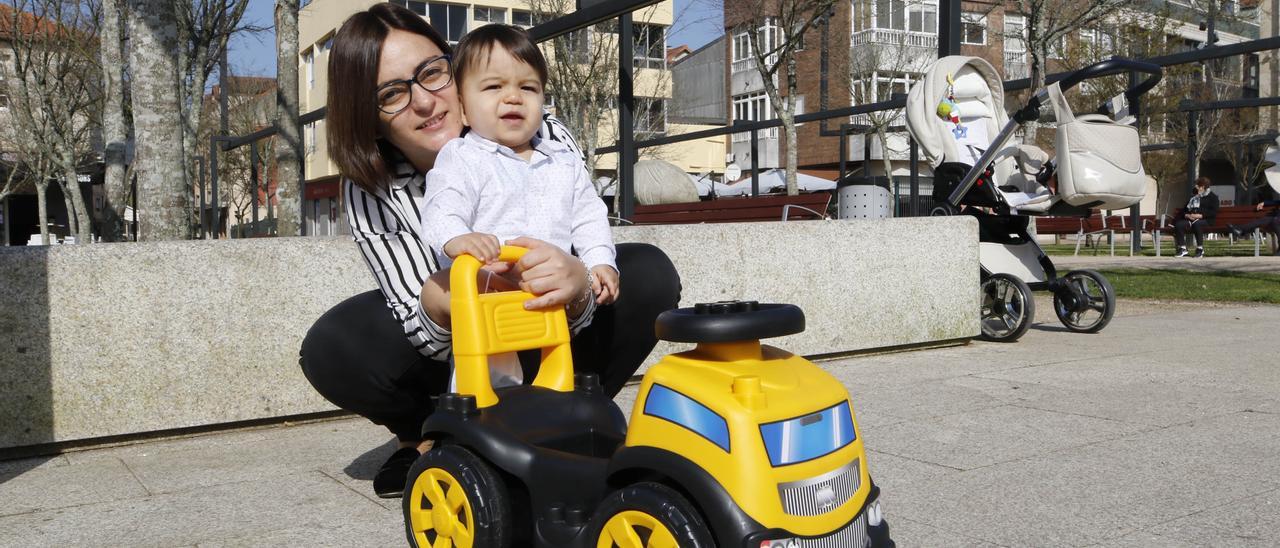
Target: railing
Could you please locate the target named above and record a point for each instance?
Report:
(747, 65)
(1015, 65)
(913, 39)
(770, 133)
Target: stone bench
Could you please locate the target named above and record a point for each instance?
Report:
(110, 340)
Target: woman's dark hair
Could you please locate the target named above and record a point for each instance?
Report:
(352, 112)
(474, 48)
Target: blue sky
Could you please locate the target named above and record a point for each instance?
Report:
(697, 22)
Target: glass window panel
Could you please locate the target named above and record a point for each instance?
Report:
(457, 22)
(419, 8)
(521, 18)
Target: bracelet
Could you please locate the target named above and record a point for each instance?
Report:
(586, 295)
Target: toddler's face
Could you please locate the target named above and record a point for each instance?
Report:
(502, 100)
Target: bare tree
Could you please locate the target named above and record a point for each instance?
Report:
(877, 71)
(775, 35)
(164, 211)
(56, 97)
(1049, 23)
(288, 148)
(115, 129)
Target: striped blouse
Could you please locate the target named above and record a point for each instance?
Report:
(387, 228)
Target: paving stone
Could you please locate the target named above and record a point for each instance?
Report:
(237, 513)
(1253, 521)
(906, 532)
(65, 485)
(987, 436)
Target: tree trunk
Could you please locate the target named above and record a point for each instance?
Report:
(289, 146)
(115, 132)
(73, 220)
(789, 122)
(42, 209)
(84, 221)
(885, 160)
(163, 212)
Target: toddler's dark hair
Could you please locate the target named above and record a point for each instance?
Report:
(474, 48)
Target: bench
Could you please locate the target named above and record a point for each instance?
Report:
(1083, 228)
(735, 210)
(1227, 215)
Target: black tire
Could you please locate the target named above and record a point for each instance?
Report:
(646, 509)
(1085, 302)
(1008, 308)
(943, 210)
(482, 513)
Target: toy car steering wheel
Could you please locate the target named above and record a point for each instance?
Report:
(729, 321)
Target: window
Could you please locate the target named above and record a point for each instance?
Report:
(743, 57)
(1015, 32)
(578, 44)
(310, 138)
(973, 29)
(650, 46)
(753, 107)
(450, 20)
(912, 15)
(650, 116)
(522, 18)
(308, 59)
(327, 45)
(665, 403)
(490, 15)
(419, 8)
(1098, 43)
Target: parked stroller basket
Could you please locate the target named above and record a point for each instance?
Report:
(951, 112)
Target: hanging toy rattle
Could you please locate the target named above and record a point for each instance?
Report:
(948, 110)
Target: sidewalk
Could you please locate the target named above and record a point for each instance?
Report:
(1265, 263)
(1141, 435)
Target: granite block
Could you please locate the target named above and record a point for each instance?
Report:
(119, 339)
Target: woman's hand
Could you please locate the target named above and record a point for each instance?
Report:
(557, 278)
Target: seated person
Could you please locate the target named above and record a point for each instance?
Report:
(1270, 221)
(1201, 210)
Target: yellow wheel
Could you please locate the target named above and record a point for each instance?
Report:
(454, 499)
(649, 515)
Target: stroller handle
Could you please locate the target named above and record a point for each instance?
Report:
(1116, 65)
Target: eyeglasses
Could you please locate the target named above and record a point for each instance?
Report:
(434, 75)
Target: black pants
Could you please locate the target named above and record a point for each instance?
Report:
(357, 357)
(1180, 228)
(1269, 222)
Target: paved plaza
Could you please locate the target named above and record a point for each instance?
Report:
(1163, 430)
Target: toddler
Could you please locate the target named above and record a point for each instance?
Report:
(499, 181)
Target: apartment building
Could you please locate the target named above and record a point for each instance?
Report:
(320, 19)
(876, 48)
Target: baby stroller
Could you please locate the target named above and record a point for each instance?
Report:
(956, 115)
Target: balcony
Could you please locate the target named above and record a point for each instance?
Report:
(1015, 65)
(746, 65)
(906, 38)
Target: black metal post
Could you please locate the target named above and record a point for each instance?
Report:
(133, 189)
(755, 162)
(213, 185)
(253, 183)
(1135, 213)
(1191, 150)
(948, 28)
(204, 223)
(915, 178)
(626, 107)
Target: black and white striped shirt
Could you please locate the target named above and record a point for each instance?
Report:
(387, 228)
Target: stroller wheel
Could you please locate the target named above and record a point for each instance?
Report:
(1007, 308)
(943, 210)
(1085, 301)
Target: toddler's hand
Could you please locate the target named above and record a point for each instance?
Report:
(477, 244)
(604, 283)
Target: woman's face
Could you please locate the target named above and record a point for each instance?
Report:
(432, 118)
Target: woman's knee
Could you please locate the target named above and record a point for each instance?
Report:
(647, 270)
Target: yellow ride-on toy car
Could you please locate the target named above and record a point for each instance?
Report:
(731, 444)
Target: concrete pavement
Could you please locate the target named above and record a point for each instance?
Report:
(1162, 430)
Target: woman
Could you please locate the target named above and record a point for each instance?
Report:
(383, 354)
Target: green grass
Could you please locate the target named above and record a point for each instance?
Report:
(1212, 248)
(1195, 286)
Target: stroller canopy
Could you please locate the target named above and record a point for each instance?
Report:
(979, 95)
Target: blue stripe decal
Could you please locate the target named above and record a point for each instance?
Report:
(808, 437)
(668, 404)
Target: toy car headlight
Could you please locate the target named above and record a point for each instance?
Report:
(780, 543)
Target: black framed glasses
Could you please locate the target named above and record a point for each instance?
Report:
(435, 74)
